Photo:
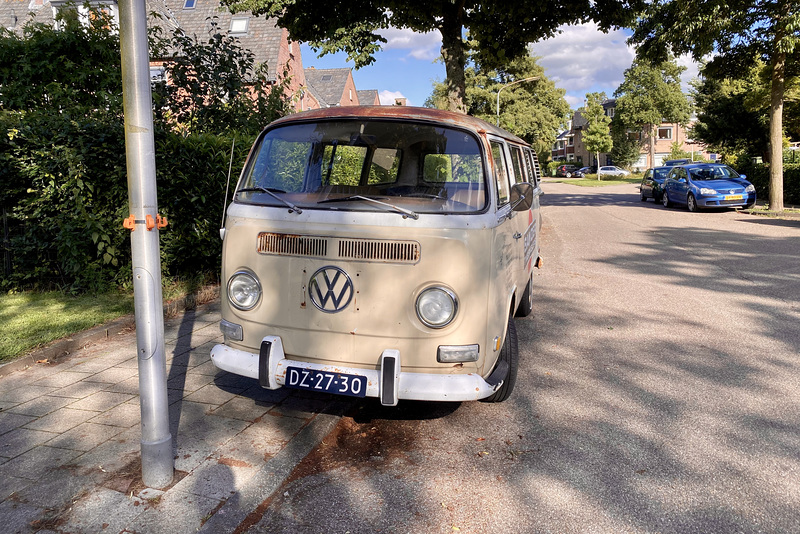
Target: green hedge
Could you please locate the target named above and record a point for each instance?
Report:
(65, 196)
(758, 175)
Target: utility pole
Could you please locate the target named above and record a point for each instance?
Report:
(144, 224)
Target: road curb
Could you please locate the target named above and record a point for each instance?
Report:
(270, 477)
(59, 350)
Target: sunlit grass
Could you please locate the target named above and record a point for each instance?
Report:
(32, 319)
(591, 180)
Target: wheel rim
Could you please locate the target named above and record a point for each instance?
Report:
(665, 200)
(692, 203)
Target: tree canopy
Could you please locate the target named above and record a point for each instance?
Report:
(650, 93)
(535, 110)
(734, 32)
(596, 136)
(502, 30)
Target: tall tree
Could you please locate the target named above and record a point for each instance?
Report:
(535, 111)
(597, 136)
(625, 151)
(729, 119)
(734, 31)
(650, 93)
(502, 28)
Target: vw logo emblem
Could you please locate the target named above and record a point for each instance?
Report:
(330, 289)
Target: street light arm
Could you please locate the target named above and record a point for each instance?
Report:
(509, 84)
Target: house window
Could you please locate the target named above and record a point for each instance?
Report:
(239, 25)
(570, 141)
(665, 132)
(157, 74)
(189, 4)
(610, 112)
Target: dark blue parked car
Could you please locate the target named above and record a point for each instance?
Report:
(652, 183)
(707, 185)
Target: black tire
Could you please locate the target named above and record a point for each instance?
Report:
(526, 302)
(665, 201)
(691, 203)
(509, 353)
(656, 198)
(644, 197)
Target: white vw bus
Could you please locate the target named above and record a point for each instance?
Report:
(381, 252)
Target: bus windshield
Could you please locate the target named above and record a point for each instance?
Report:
(416, 167)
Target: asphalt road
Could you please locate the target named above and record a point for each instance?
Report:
(658, 392)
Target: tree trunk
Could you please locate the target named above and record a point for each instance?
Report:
(597, 156)
(652, 130)
(454, 56)
(776, 130)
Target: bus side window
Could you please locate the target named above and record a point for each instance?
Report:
(532, 162)
(503, 186)
(520, 174)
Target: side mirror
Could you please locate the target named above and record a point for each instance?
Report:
(742, 176)
(521, 196)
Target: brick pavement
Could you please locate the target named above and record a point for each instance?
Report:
(70, 450)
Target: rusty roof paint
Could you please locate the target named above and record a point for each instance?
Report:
(451, 118)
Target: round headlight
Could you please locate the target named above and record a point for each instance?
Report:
(750, 188)
(244, 291)
(437, 307)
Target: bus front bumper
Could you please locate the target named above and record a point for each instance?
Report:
(388, 383)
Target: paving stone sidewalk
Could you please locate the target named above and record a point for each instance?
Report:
(70, 431)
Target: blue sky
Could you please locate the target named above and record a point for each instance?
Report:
(580, 59)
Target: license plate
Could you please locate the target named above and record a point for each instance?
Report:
(734, 197)
(326, 382)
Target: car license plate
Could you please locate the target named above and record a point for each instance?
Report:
(734, 197)
(326, 382)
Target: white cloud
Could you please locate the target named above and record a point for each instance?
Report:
(387, 98)
(582, 59)
(423, 46)
(692, 71)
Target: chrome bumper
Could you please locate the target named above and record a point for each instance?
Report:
(389, 383)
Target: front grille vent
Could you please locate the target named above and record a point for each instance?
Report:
(389, 251)
(341, 248)
(292, 245)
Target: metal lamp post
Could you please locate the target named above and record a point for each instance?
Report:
(144, 223)
(509, 84)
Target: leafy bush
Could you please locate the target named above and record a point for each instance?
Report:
(758, 175)
(63, 167)
(192, 178)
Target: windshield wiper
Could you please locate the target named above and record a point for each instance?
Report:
(404, 212)
(271, 192)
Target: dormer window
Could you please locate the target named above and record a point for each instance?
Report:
(189, 4)
(239, 25)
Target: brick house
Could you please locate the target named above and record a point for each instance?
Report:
(332, 87)
(368, 97)
(569, 144)
(269, 43)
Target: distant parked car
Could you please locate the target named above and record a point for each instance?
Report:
(673, 162)
(566, 171)
(587, 170)
(613, 171)
(652, 182)
(707, 185)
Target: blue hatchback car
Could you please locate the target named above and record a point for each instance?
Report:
(707, 185)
